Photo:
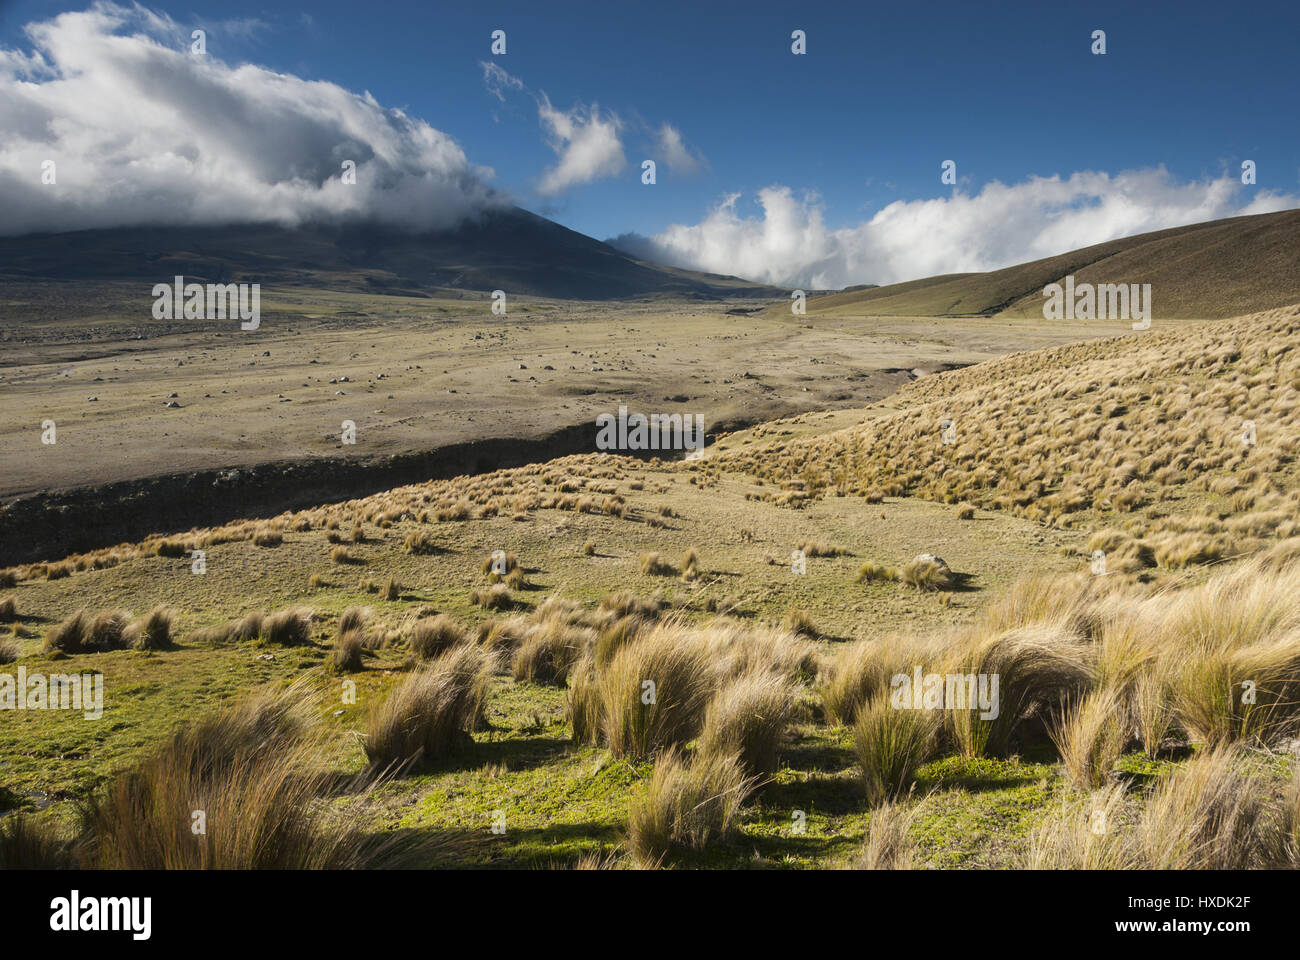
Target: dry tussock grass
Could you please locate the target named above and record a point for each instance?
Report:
(686, 805)
(1099, 668)
(429, 714)
(662, 682)
(82, 632)
(1091, 430)
(255, 772)
(888, 845)
(518, 492)
(1209, 814)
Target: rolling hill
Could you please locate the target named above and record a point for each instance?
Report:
(1172, 448)
(1221, 268)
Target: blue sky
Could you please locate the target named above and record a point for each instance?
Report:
(885, 94)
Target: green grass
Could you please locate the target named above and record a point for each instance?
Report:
(561, 800)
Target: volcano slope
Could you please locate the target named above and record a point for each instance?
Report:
(605, 662)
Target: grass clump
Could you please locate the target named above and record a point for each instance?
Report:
(651, 695)
(433, 636)
(498, 566)
(429, 714)
(345, 657)
(872, 572)
(66, 636)
(268, 538)
(1038, 669)
(80, 632)
(863, 671)
(248, 627)
(687, 805)
(25, 845)
(1208, 814)
(170, 548)
(353, 618)
(654, 565)
(748, 719)
(106, 630)
(800, 623)
(290, 627)
(153, 631)
(239, 789)
(890, 745)
(421, 543)
(495, 597)
(549, 650)
(815, 548)
(1090, 737)
(888, 845)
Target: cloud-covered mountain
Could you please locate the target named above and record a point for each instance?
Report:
(500, 249)
(141, 129)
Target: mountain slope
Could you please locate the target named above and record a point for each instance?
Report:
(1221, 268)
(511, 250)
(1174, 446)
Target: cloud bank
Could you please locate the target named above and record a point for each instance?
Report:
(143, 131)
(789, 244)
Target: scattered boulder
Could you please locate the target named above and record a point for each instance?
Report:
(925, 571)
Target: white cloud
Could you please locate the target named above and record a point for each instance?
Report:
(675, 153)
(789, 243)
(243, 28)
(586, 142)
(142, 131)
(499, 81)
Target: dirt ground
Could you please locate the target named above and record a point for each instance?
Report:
(417, 374)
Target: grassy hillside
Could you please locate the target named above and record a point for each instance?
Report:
(435, 708)
(1145, 436)
(1221, 268)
